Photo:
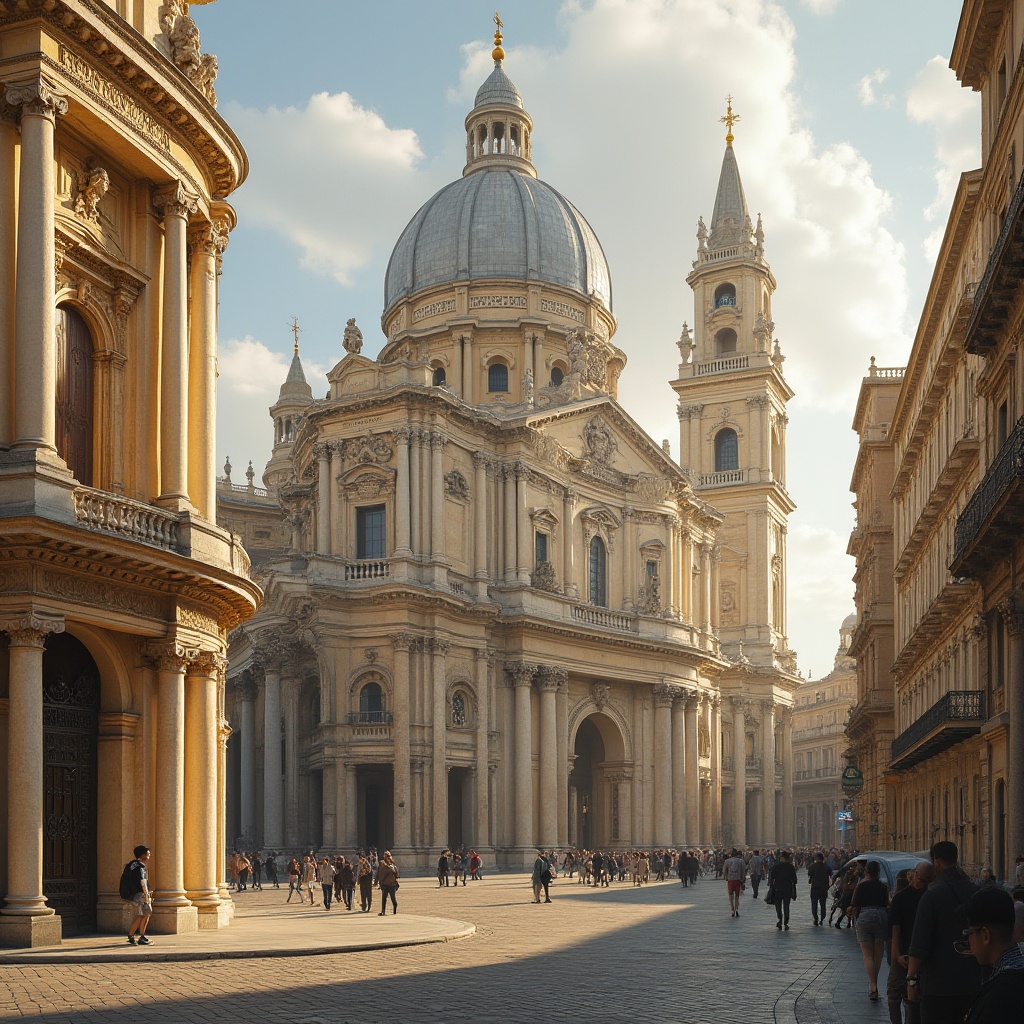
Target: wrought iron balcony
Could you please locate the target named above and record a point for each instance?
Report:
(995, 513)
(955, 717)
(999, 285)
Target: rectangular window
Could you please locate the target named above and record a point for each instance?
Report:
(1002, 426)
(652, 567)
(371, 532)
(540, 547)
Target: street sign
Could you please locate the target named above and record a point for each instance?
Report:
(852, 780)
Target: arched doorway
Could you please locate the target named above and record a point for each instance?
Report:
(71, 701)
(599, 799)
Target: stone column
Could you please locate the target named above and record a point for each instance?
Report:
(568, 569)
(8, 258)
(548, 685)
(25, 919)
(524, 542)
(768, 773)
(468, 369)
(562, 712)
(223, 732)
(245, 695)
(404, 643)
(35, 338)
(439, 776)
(679, 837)
(631, 579)
(202, 855)
(705, 581)
(664, 695)
(437, 545)
(416, 497)
(177, 205)
(172, 911)
(206, 243)
(273, 803)
(403, 521)
(322, 451)
(520, 675)
(1012, 610)
(715, 732)
(480, 461)
(352, 837)
(511, 560)
(739, 760)
(692, 771)
(484, 659)
(291, 764)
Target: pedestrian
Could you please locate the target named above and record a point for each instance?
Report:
(541, 877)
(944, 982)
(819, 876)
(327, 881)
(270, 866)
(442, 870)
(734, 871)
(598, 866)
(989, 938)
(902, 914)
(387, 879)
(309, 877)
(294, 880)
(364, 876)
(464, 867)
(756, 869)
(474, 866)
(139, 895)
(870, 917)
(244, 866)
(257, 872)
(346, 881)
(782, 888)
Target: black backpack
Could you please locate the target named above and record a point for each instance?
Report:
(124, 890)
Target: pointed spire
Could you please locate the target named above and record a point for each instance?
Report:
(730, 222)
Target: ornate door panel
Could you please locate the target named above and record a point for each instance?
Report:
(74, 393)
(70, 706)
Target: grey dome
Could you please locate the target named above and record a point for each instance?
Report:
(498, 89)
(497, 223)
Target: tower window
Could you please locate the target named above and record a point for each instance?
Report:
(598, 573)
(371, 703)
(370, 532)
(725, 341)
(540, 547)
(557, 376)
(725, 295)
(497, 378)
(727, 450)
(440, 377)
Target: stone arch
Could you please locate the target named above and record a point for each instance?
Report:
(460, 684)
(115, 674)
(613, 727)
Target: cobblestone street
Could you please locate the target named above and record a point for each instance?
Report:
(662, 953)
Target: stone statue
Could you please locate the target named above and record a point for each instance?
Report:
(702, 234)
(528, 386)
(183, 36)
(353, 338)
(87, 189)
(685, 343)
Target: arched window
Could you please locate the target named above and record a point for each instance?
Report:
(440, 377)
(74, 393)
(598, 572)
(557, 376)
(725, 295)
(460, 714)
(727, 450)
(725, 341)
(497, 377)
(371, 703)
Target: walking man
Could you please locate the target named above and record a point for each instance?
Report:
(819, 877)
(327, 873)
(734, 871)
(756, 871)
(142, 901)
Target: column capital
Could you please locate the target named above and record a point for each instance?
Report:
(437, 441)
(521, 470)
(207, 239)
(481, 460)
(741, 705)
(209, 663)
(170, 656)
(664, 695)
(439, 646)
(245, 687)
(691, 699)
(402, 435)
(175, 200)
(519, 673)
(30, 628)
(403, 641)
(1011, 608)
(785, 715)
(37, 96)
(322, 450)
(767, 705)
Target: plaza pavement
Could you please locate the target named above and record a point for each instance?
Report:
(610, 956)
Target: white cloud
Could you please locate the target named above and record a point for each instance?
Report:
(247, 367)
(936, 99)
(820, 6)
(332, 178)
(867, 86)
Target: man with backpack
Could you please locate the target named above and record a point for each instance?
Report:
(134, 889)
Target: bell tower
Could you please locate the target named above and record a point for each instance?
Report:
(732, 420)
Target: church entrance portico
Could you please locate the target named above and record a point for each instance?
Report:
(598, 787)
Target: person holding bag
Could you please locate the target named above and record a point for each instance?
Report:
(782, 888)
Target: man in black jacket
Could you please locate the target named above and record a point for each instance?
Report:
(819, 876)
(944, 982)
(990, 918)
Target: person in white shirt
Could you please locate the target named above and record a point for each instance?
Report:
(734, 871)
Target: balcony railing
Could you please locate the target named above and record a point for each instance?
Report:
(1001, 479)
(723, 365)
(371, 718)
(954, 717)
(594, 616)
(829, 772)
(725, 477)
(368, 569)
(133, 520)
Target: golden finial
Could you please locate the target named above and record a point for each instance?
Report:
(729, 120)
(498, 54)
(296, 331)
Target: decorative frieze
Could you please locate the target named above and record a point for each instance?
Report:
(562, 309)
(433, 309)
(497, 301)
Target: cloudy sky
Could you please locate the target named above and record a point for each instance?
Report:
(852, 137)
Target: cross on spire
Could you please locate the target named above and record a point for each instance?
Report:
(729, 120)
(497, 54)
(296, 331)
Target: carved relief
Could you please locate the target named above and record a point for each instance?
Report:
(599, 444)
(456, 486)
(88, 187)
(97, 593)
(368, 449)
(183, 35)
(600, 693)
(545, 578)
(369, 485)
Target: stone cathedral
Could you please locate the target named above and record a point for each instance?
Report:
(497, 613)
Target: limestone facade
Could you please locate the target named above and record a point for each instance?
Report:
(117, 588)
(497, 619)
(820, 712)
